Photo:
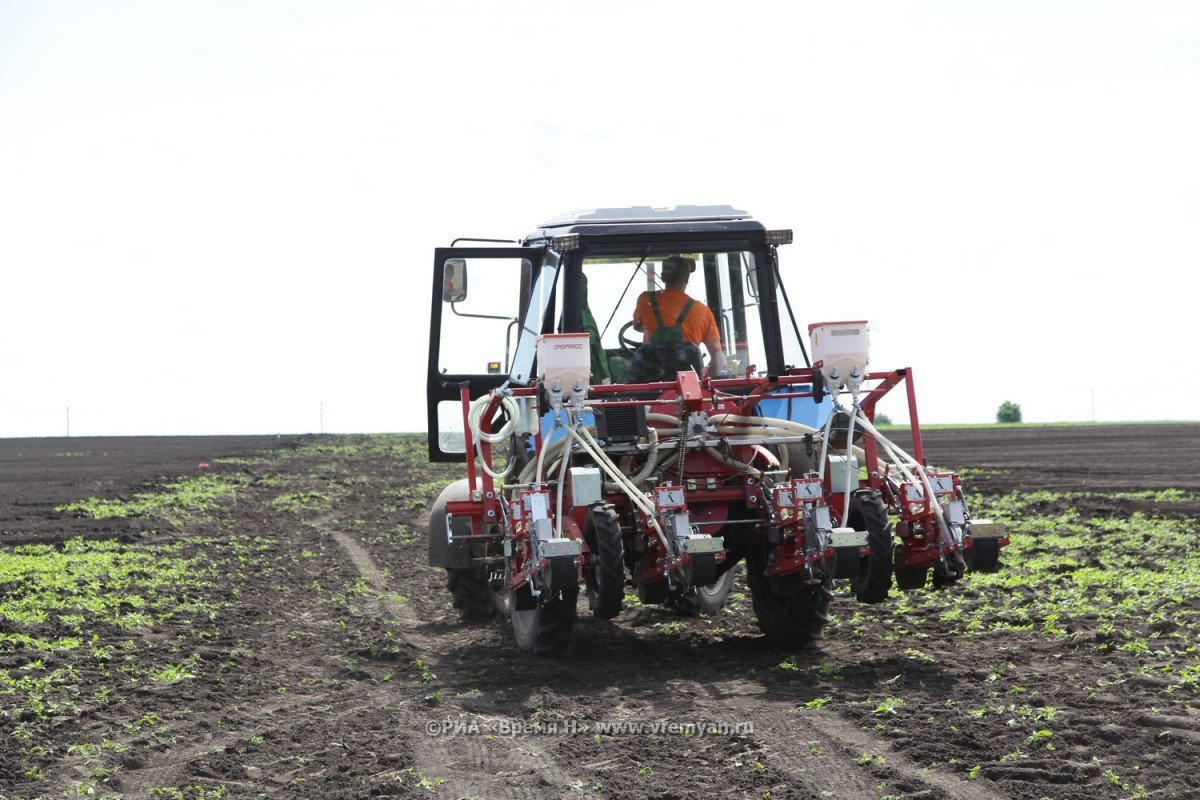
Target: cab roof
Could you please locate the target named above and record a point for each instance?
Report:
(646, 219)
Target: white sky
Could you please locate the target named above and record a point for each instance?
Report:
(215, 216)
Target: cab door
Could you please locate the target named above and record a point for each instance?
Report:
(481, 301)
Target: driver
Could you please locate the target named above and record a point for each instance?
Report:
(678, 311)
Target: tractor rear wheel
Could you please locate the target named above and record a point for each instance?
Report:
(875, 569)
(544, 628)
(791, 617)
(478, 594)
(606, 583)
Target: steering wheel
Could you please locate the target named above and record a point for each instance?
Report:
(628, 345)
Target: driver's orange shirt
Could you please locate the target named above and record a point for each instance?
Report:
(699, 327)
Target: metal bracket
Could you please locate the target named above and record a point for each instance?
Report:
(848, 537)
(553, 548)
(698, 543)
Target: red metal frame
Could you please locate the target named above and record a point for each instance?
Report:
(707, 499)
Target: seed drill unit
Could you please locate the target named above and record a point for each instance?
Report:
(577, 475)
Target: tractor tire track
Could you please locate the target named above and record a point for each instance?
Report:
(479, 767)
(472, 764)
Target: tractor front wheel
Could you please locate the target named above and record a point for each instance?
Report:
(794, 616)
(606, 583)
(875, 569)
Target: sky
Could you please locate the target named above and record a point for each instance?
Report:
(219, 217)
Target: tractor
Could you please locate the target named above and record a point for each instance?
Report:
(606, 460)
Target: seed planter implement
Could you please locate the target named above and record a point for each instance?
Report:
(579, 477)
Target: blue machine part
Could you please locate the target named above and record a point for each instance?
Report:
(549, 434)
(796, 409)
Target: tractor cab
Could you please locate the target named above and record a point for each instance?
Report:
(586, 272)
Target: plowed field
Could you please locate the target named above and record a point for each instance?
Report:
(242, 617)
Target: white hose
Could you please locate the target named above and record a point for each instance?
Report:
(651, 460)
(634, 493)
(541, 460)
(825, 439)
(943, 526)
(898, 456)
(562, 481)
(849, 450)
(475, 419)
(639, 498)
(785, 424)
(475, 422)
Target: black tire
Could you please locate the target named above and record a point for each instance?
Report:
(475, 596)
(545, 629)
(874, 579)
(911, 580)
(795, 617)
(606, 583)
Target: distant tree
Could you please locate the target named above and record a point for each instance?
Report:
(883, 419)
(1008, 412)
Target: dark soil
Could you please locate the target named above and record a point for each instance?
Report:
(336, 650)
(1071, 458)
(36, 475)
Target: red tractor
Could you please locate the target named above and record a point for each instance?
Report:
(599, 457)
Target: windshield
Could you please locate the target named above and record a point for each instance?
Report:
(720, 285)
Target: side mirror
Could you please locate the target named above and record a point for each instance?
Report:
(454, 280)
(752, 281)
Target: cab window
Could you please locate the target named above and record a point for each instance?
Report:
(613, 284)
